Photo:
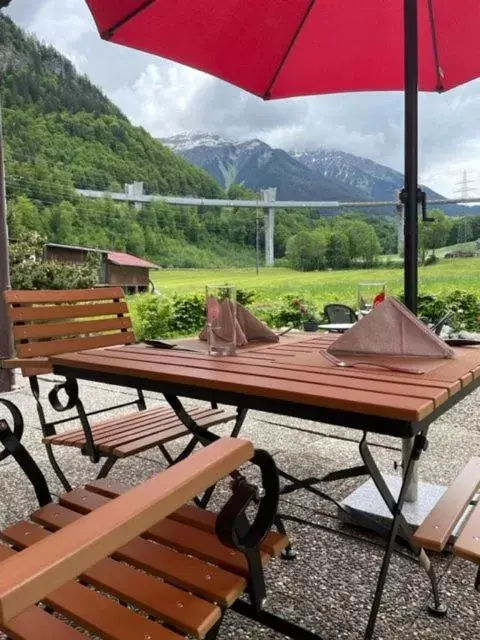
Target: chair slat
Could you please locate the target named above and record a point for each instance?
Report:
(82, 501)
(130, 418)
(438, 526)
(170, 604)
(273, 544)
(103, 616)
(201, 544)
(55, 330)
(468, 542)
(141, 431)
(161, 422)
(91, 610)
(20, 296)
(54, 347)
(202, 519)
(61, 311)
(35, 623)
(142, 444)
(186, 572)
(177, 535)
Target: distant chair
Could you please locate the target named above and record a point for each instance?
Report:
(438, 326)
(339, 314)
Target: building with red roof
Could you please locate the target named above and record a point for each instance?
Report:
(116, 268)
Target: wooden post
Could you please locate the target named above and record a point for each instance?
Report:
(6, 339)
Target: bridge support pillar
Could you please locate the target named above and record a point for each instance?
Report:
(269, 195)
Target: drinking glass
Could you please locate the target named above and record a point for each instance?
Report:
(369, 295)
(221, 319)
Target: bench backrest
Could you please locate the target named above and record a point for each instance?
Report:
(47, 323)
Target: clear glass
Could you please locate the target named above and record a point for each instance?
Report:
(221, 319)
(370, 294)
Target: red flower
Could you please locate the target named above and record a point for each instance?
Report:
(478, 318)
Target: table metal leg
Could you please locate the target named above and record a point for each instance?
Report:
(202, 436)
(399, 525)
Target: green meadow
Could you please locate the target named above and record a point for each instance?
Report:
(323, 286)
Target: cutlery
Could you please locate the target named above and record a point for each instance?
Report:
(362, 363)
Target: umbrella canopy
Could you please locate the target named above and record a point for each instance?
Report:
(284, 48)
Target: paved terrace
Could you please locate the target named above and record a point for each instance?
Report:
(330, 585)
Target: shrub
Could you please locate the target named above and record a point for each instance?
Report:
(246, 296)
(188, 314)
(155, 316)
(30, 271)
(465, 307)
(291, 311)
(151, 316)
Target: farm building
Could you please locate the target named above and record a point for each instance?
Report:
(116, 268)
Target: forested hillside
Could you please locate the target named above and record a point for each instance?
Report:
(61, 132)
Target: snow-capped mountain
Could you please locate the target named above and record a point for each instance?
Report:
(320, 174)
(259, 166)
(375, 180)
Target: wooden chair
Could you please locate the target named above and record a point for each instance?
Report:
(454, 509)
(46, 323)
(141, 564)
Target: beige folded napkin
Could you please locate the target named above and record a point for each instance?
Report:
(247, 326)
(391, 329)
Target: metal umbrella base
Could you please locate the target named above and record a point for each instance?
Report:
(420, 498)
(367, 501)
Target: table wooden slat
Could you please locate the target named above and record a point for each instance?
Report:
(365, 402)
(267, 357)
(255, 368)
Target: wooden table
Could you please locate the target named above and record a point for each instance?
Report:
(292, 378)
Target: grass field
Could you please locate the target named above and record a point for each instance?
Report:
(323, 286)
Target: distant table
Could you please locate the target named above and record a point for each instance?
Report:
(338, 328)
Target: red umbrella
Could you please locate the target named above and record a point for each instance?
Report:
(284, 48)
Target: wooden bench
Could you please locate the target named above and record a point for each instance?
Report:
(455, 509)
(138, 564)
(46, 323)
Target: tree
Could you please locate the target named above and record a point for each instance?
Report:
(23, 215)
(300, 252)
(337, 252)
(62, 219)
(433, 235)
(362, 242)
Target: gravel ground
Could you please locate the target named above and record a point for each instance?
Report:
(329, 587)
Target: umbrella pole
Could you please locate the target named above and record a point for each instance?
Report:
(411, 154)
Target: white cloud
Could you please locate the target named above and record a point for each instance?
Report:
(63, 27)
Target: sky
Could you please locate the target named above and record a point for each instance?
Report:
(167, 98)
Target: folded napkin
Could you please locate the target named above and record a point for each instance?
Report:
(247, 327)
(391, 329)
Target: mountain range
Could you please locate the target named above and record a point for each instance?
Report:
(319, 174)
